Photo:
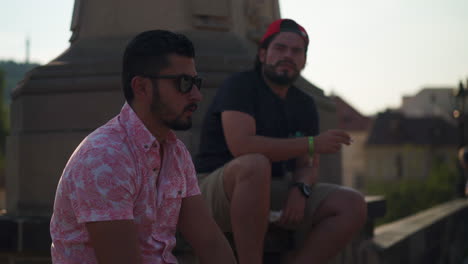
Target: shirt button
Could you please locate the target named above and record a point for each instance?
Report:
(179, 192)
(155, 169)
(146, 146)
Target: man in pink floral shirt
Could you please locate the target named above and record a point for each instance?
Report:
(131, 183)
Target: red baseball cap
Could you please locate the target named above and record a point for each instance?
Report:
(285, 25)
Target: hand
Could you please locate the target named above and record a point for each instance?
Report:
(293, 210)
(331, 141)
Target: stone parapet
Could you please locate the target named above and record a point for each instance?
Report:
(27, 240)
(436, 235)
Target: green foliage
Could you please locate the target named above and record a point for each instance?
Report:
(3, 127)
(4, 120)
(409, 196)
(10, 74)
(14, 73)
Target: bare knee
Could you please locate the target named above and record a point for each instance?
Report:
(355, 206)
(254, 169)
(346, 203)
(251, 167)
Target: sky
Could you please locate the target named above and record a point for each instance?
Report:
(369, 52)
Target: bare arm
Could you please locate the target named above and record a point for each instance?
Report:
(307, 169)
(240, 133)
(306, 172)
(201, 231)
(115, 242)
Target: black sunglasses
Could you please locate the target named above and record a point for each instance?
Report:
(185, 82)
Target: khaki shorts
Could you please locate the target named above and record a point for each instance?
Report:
(212, 188)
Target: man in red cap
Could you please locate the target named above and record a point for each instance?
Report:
(260, 136)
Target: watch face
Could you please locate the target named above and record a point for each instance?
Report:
(306, 190)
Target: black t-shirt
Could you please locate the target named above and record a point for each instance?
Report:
(246, 92)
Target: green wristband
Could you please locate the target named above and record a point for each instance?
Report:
(311, 146)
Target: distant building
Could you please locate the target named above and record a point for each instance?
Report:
(406, 147)
(353, 156)
(429, 102)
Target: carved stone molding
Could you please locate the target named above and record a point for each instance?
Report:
(75, 23)
(258, 14)
(211, 14)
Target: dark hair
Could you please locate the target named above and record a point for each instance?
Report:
(263, 45)
(147, 53)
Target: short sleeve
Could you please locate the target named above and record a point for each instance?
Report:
(314, 128)
(236, 94)
(303, 113)
(102, 186)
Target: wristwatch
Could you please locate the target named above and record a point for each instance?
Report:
(304, 188)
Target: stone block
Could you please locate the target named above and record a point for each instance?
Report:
(25, 235)
(9, 234)
(35, 235)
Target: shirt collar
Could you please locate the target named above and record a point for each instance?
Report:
(138, 132)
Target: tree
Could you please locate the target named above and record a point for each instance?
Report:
(409, 196)
(3, 127)
(4, 120)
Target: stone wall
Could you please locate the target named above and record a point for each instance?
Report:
(436, 235)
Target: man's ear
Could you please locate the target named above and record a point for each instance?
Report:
(261, 55)
(141, 87)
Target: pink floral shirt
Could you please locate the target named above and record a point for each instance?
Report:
(116, 173)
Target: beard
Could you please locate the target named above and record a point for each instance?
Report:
(178, 124)
(282, 78)
(162, 110)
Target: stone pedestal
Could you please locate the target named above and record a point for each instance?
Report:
(58, 104)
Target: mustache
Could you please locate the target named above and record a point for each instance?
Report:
(286, 62)
(191, 107)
